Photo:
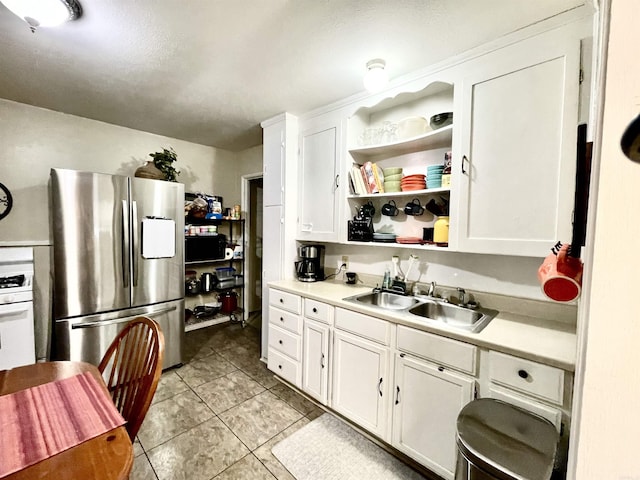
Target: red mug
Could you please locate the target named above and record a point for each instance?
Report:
(560, 276)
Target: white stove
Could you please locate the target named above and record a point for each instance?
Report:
(17, 344)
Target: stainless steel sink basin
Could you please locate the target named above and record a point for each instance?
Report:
(454, 315)
(386, 300)
(427, 310)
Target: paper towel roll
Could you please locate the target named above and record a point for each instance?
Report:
(228, 253)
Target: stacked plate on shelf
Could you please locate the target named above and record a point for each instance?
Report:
(413, 182)
(392, 178)
(384, 237)
(434, 176)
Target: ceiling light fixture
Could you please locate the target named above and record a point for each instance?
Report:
(44, 13)
(376, 76)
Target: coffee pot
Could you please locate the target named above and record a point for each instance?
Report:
(310, 266)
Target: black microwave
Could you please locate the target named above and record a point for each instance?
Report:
(200, 248)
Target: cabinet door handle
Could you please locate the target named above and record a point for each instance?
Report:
(281, 319)
(523, 374)
(337, 181)
(380, 386)
(397, 394)
(280, 342)
(315, 310)
(322, 361)
(282, 300)
(464, 159)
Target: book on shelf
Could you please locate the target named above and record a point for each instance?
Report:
(369, 177)
(355, 174)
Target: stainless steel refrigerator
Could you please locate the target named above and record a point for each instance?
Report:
(118, 252)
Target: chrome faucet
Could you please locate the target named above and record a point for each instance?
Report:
(462, 297)
(432, 289)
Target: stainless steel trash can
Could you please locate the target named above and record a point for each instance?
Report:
(498, 441)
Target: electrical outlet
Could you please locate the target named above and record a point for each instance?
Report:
(345, 262)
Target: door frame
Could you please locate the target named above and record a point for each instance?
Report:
(245, 193)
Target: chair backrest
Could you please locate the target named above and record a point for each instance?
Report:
(131, 368)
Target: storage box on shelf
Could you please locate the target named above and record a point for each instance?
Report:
(411, 149)
(218, 246)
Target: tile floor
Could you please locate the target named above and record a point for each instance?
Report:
(218, 415)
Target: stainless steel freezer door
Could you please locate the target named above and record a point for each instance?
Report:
(87, 339)
(156, 279)
(90, 224)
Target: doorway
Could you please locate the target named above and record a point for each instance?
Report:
(252, 198)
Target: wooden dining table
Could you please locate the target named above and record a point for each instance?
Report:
(107, 456)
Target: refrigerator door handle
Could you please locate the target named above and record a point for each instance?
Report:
(125, 244)
(134, 250)
(101, 323)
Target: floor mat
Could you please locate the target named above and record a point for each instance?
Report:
(328, 449)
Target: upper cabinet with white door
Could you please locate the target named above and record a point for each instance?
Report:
(320, 181)
(516, 132)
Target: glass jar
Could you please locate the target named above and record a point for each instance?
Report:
(441, 230)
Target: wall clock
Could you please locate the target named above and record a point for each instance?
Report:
(6, 201)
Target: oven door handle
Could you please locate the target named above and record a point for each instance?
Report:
(115, 321)
(13, 311)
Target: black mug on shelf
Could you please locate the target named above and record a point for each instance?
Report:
(414, 208)
(390, 209)
(368, 210)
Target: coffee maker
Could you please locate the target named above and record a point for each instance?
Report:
(310, 267)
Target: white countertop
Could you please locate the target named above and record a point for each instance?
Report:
(544, 341)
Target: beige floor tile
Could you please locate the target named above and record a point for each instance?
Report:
(225, 392)
(137, 448)
(259, 372)
(172, 417)
(293, 398)
(241, 355)
(198, 454)
(142, 469)
(204, 370)
(263, 453)
(170, 384)
(248, 468)
(260, 418)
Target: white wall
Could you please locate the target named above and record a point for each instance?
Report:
(33, 140)
(514, 276)
(605, 444)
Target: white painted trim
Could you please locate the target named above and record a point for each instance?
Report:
(245, 202)
(601, 36)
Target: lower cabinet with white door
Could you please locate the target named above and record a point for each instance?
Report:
(433, 381)
(361, 370)
(318, 319)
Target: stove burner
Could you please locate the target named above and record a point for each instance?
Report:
(12, 282)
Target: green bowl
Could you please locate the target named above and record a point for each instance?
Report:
(396, 177)
(391, 171)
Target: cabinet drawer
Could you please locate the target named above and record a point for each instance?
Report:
(363, 325)
(288, 321)
(319, 311)
(286, 301)
(285, 342)
(459, 355)
(554, 415)
(542, 381)
(284, 367)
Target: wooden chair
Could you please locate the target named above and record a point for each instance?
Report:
(131, 368)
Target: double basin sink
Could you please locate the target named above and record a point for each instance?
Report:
(429, 310)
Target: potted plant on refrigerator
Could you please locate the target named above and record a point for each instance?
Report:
(162, 166)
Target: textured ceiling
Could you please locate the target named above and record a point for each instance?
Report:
(209, 71)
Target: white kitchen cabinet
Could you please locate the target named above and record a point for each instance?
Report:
(284, 355)
(427, 399)
(280, 147)
(319, 186)
(315, 363)
(517, 130)
(17, 346)
(361, 381)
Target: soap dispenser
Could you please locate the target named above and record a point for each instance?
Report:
(386, 281)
